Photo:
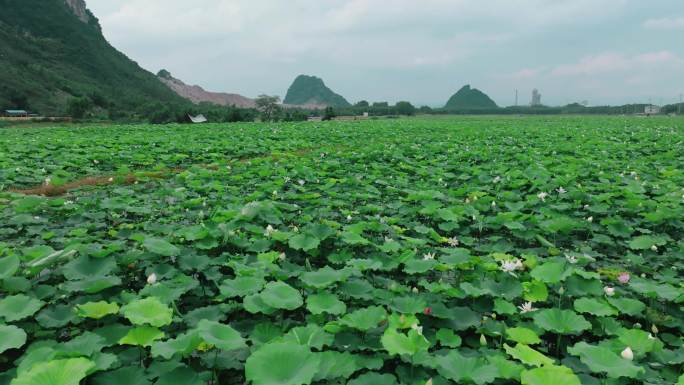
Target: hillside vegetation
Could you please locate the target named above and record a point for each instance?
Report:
(310, 90)
(49, 56)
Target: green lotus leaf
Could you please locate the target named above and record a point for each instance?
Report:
(561, 321)
(161, 247)
(629, 306)
(222, 336)
(365, 319)
(130, 375)
(18, 307)
(310, 335)
(255, 304)
(56, 316)
(374, 379)
(184, 344)
(325, 303)
(460, 369)
(241, 286)
(597, 307)
(85, 344)
(535, 291)
(142, 336)
(549, 375)
(603, 360)
(97, 310)
(448, 338)
(8, 266)
(408, 305)
(282, 363)
(398, 343)
(528, 356)
(304, 242)
(639, 341)
(148, 311)
(645, 242)
(335, 365)
(523, 335)
(323, 278)
(56, 372)
(280, 295)
(183, 375)
(551, 272)
(11, 337)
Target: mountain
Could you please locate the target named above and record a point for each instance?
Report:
(52, 51)
(310, 90)
(197, 94)
(469, 98)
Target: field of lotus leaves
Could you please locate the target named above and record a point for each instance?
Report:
(426, 251)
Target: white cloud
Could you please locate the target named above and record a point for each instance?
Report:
(666, 23)
(608, 63)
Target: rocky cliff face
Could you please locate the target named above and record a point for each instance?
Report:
(197, 94)
(79, 9)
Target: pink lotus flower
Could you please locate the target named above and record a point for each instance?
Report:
(624, 278)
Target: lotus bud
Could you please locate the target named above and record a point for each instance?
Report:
(637, 326)
(483, 340)
(654, 329)
(561, 291)
(429, 382)
(610, 291)
(152, 279)
(654, 248)
(628, 354)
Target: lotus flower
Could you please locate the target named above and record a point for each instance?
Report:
(152, 279)
(590, 219)
(571, 259)
(561, 190)
(511, 266)
(624, 278)
(269, 231)
(654, 248)
(429, 257)
(453, 241)
(526, 308)
(610, 291)
(627, 354)
(542, 196)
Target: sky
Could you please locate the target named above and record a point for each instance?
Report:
(599, 51)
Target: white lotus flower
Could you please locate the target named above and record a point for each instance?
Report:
(561, 190)
(493, 203)
(590, 219)
(428, 257)
(47, 181)
(453, 241)
(417, 328)
(654, 329)
(610, 291)
(152, 279)
(542, 196)
(526, 308)
(571, 259)
(349, 217)
(269, 231)
(497, 179)
(511, 266)
(654, 248)
(281, 256)
(627, 354)
(110, 180)
(301, 182)
(415, 290)
(96, 161)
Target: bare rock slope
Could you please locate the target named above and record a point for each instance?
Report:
(197, 94)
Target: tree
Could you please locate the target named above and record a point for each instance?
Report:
(425, 110)
(380, 105)
(329, 113)
(77, 108)
(405, 108)
(362, 104)
(268, 106)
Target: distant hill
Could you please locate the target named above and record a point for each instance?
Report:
(310, 90)
(197, 94)
(53, 50)
(469, 98)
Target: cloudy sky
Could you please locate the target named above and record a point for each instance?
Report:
(601, 51)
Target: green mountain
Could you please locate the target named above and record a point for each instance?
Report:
(468, 99)
(310, 90)
(53, 51)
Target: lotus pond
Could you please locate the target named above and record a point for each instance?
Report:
(536, 251)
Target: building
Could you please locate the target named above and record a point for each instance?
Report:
(16, 113)
(536, 98)
(651, 110)
(314, 119)
(197, 119)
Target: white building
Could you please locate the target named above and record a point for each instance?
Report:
(652, 110)
(536, 98)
